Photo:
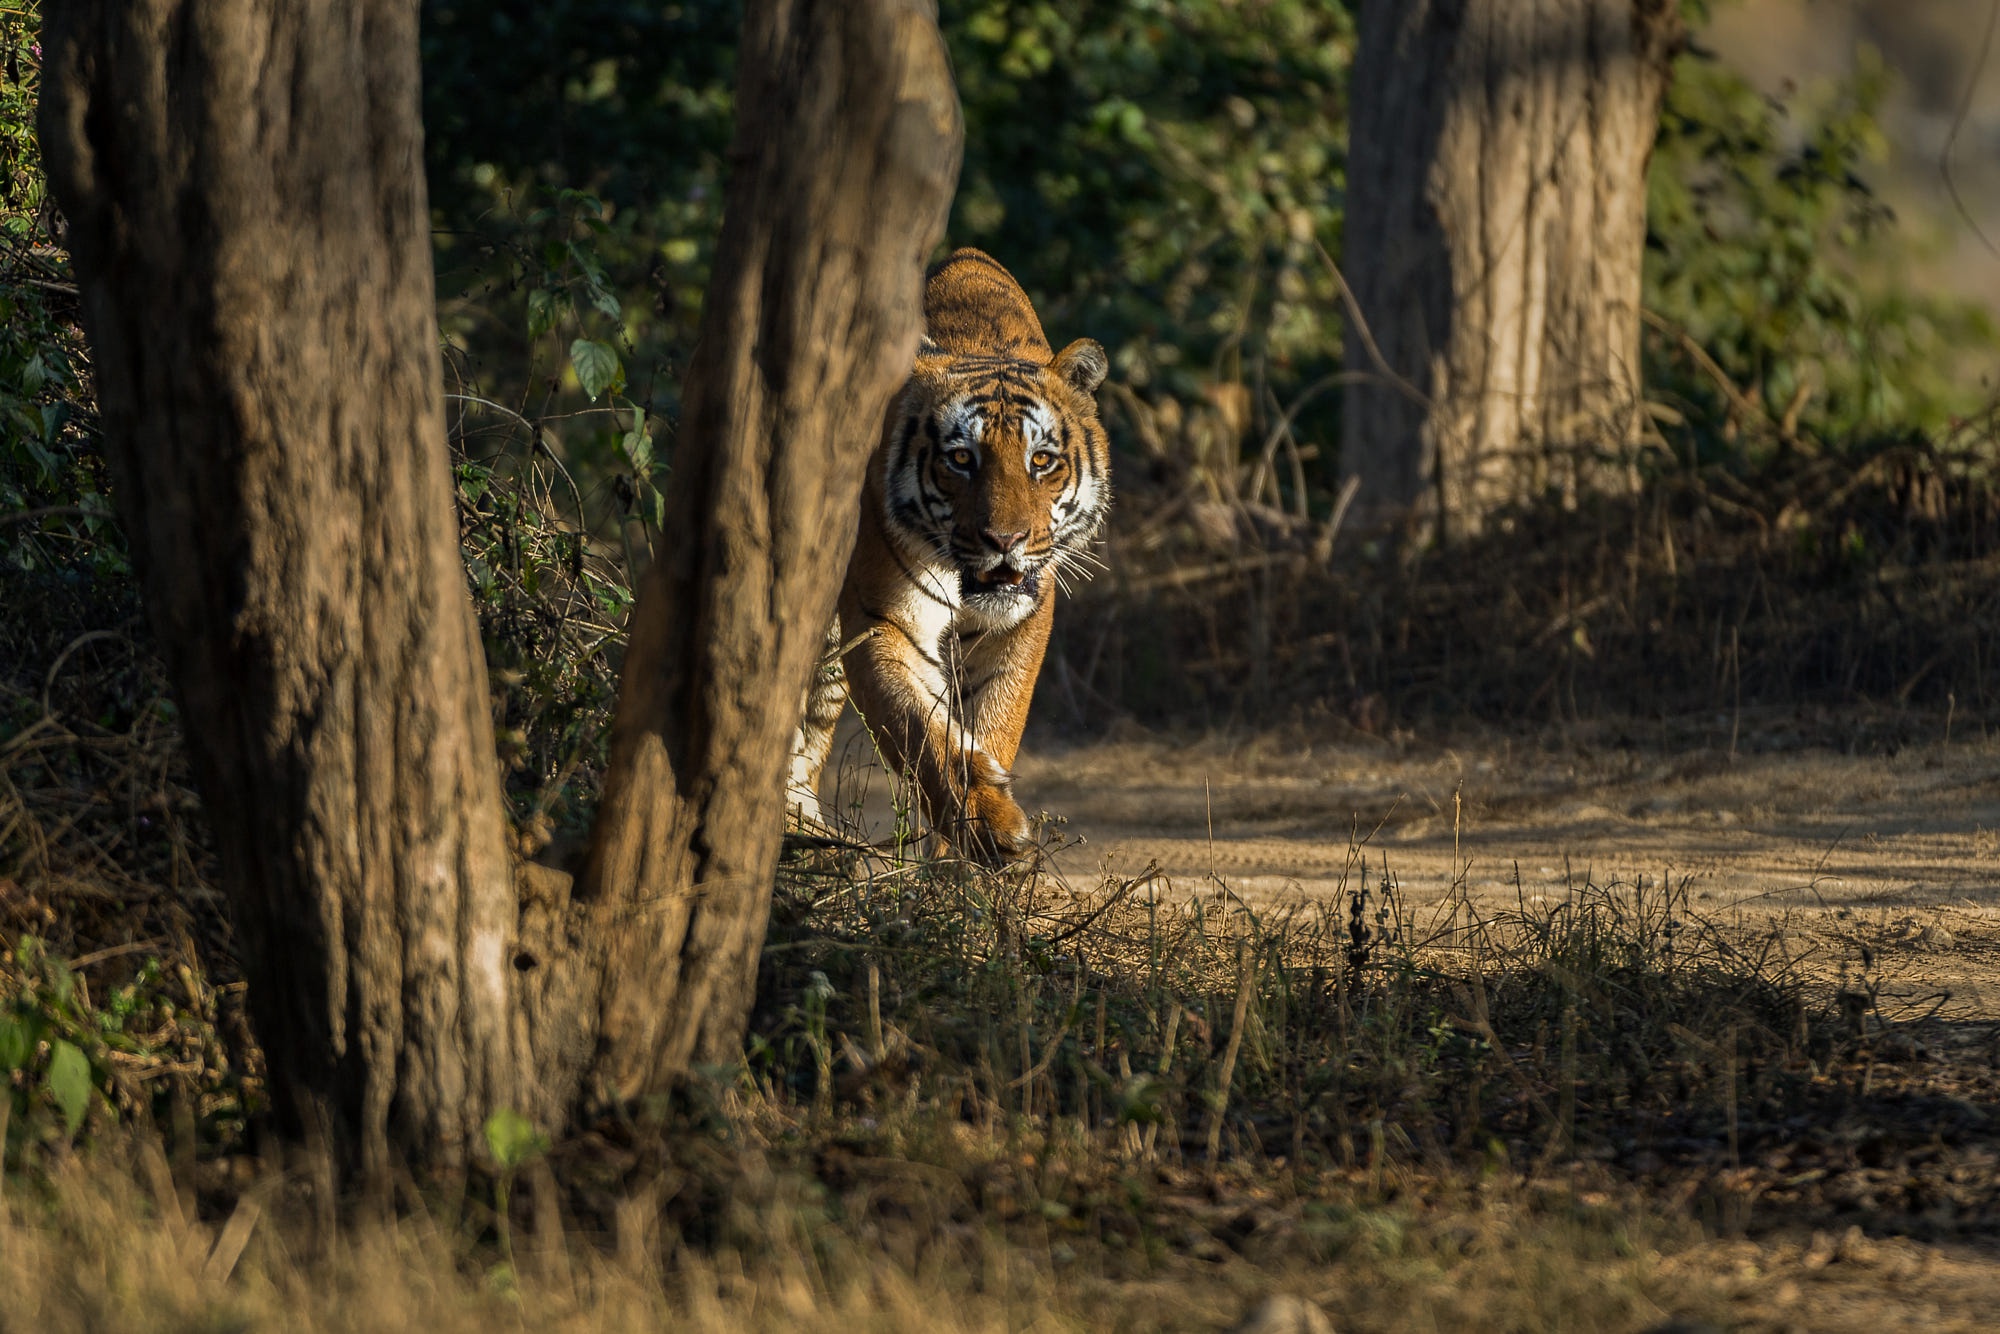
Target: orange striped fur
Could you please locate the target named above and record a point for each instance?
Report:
(991, 477)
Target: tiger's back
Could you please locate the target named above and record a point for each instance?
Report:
(990, 481)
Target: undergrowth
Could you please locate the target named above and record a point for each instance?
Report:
(1353, 1031)
(973, 1101)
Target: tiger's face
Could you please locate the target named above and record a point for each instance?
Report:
(997, 471)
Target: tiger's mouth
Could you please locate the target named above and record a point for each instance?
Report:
(1000, 581)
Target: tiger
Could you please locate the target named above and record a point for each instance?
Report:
(991, 479)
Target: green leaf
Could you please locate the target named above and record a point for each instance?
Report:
(638, 445)
(69, 1082)
(597, 367)
(17, 1042)
(593, 270)
(543, 311)
(513, 1138)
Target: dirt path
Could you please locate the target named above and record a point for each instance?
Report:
(1834, 859)
(1901, 853)
(1920, 830)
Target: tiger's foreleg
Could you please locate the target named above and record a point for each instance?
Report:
(918, 713)
(826, 695)
(997, 681)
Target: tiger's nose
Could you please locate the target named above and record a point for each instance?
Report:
(1003, 542)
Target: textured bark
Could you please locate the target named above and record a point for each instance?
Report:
(243, 182)
(846, 154)
(1496, 223)
(244, 185)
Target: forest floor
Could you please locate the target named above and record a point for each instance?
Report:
(1899, 853)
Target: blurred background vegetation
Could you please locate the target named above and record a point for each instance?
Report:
(1164, 177)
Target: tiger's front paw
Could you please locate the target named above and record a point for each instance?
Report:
(996, 829)
(991, 827)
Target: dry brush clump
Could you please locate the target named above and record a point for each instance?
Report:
(1860, 577)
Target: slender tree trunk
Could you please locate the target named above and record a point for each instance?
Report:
(1496, 223)
(244, 186)
(847, 152)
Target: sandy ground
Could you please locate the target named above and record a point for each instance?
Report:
(1837, 859)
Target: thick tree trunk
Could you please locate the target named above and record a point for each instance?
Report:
(244, 185)
(846, 155)
(1496, 222)
(245, 193)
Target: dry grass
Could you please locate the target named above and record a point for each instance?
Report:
(971, 1101)
(108, 1242)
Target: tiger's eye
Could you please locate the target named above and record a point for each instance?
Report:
(1043, 459)
(961, 458)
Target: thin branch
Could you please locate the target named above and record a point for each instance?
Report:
(1958, 123)
(1382, 367)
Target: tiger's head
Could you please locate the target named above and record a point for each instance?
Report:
(997, 464)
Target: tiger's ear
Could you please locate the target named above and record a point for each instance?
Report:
(1083, 364)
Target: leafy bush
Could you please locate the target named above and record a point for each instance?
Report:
(576, 158)
(68, 1062)
(1770, 269)
(1157, 174)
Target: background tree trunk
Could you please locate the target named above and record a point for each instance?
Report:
(1496, 221)
(846, 156)
(244, 185)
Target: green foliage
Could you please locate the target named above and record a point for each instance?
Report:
(577, 159)
(21, 183)
(1770, 251)
(1156, 174)
(513, 1139)
(56, 1048)
(53, 510)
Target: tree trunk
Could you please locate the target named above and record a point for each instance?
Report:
(244, 186)
(245, 192)
(1495, 227)
(846, 155)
